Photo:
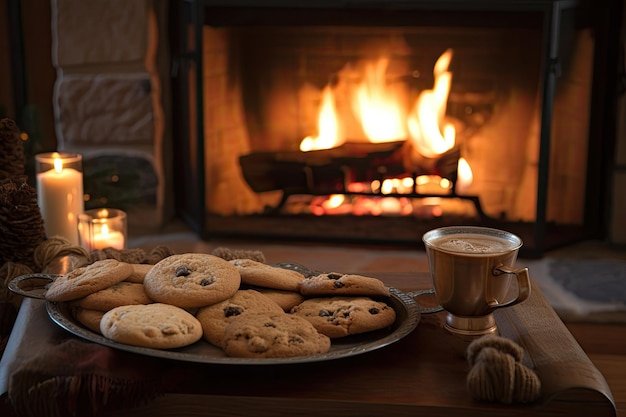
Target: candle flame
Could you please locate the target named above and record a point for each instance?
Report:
(105, 231)
(58, 162)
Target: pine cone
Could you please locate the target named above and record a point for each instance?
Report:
(12, 159)
(21, 224)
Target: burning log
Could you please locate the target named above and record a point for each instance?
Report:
(330, 171)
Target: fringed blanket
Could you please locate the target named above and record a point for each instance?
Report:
(76, 378)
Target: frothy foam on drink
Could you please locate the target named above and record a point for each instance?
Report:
(473, 245)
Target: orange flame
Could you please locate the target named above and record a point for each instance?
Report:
(328, 126)
(465, 176)
(430, 135)
(377, 106)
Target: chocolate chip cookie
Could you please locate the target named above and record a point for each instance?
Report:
(216, 317)
(192, 280)
(83, 281)
(286, 299)
(267, 276)
(273, 335)
(88, 318)
(139, 272)
(120, 294)
(158, 326)
(334, 284)
(342, 316)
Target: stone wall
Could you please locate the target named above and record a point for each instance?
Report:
(108, 101)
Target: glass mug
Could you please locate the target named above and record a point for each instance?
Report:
(472, 269)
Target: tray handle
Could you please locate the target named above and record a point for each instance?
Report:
(425, 310)
(32, 285)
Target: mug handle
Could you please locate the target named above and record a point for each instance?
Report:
(523, 285)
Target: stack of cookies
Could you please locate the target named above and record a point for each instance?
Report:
(245, 307)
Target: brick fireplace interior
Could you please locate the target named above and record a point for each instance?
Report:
(524, 97)
(198, 110)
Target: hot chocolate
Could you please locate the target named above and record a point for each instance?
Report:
(472, 270)
(473, 243)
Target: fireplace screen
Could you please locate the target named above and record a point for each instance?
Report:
(371, 126)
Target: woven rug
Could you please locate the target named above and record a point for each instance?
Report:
(591, 290)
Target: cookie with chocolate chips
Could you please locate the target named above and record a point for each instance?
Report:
(273, 335)
(267, 276)
(216, 317)
(286, 299)
(88, 318)
(192, 280)
(342, 316)
(334, 283)
(120, 294)
(89, 279)
(158, 326)
(139, 273)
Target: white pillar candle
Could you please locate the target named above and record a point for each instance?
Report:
(60, 193)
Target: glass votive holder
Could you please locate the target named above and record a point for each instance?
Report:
(60, 193)
(102, 228)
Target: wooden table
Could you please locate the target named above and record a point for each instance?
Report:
(423, 374)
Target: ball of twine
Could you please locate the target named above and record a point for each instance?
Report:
(497, 374)
(47, 253)
(58, 246)
(53, 248)
(231, 254)
(132, 256)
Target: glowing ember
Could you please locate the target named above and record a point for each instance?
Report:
(432, 184)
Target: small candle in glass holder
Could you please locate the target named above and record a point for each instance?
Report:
(60, 193)
(102, 228)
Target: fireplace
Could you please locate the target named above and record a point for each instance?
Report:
(373, 122)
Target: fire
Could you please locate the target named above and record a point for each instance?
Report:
(379, 107)
(328, 125)
(465, 176)
(430, 135)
